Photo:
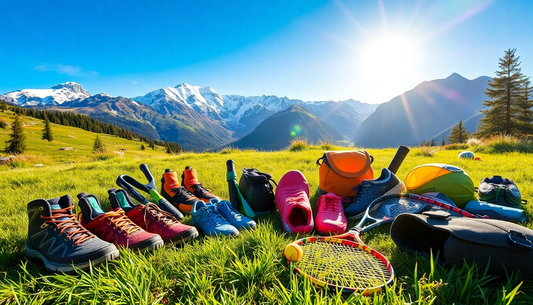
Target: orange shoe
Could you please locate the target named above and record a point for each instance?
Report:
(190, 181)
(176, 194)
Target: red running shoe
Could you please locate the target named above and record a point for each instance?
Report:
(330, 217)
(292, 200)
(114, 226)
(151, 218)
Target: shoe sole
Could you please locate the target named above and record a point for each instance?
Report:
(69, 268)
(152, 243)
(183, 237)
(397, 189)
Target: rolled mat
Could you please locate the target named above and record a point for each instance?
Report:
(496, 211)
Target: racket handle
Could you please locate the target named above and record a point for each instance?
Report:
(396, 162)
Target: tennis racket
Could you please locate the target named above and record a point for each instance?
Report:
(433, 204)
(340, 263)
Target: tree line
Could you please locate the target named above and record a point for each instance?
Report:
(16, 145)
(509, 107)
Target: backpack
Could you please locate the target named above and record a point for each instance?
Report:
(257, 190)
(341, 171)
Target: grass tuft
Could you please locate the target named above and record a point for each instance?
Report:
(298, 144)
(426, 152)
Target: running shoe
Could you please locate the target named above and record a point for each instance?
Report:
(501, 191)
(151, 218)
(208, 219)
(57, 238)
(330, 217)
(292, 200)
(235, 218)
(190, 181)
(369, 190)
(175, 193)
(114, 226)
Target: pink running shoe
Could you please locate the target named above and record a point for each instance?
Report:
(292, 200)
(330, 217)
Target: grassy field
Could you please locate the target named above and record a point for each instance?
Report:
(246, 269)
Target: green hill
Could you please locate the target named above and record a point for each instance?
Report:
(277, 131)
(248, 269)
(70, 144)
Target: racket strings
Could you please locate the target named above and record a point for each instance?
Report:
(395, 206)
(342, 265)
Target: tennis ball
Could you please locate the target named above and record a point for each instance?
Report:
(293, 252)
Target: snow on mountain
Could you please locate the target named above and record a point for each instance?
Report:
(56, 95)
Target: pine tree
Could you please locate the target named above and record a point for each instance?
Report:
(443, 143)
(16, 145)
(505, 91)
(142, 147)
(433, 142)
(458, 133)
(525, 111)
(98, 146)
(47, 131)
(3, 124)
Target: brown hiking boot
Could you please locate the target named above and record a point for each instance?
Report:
(176, 194)
(190, 181)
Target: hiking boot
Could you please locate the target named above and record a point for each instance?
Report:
(151, 218)
(330, 217)
(292, 200)
(190, 181)
(235, 218)
(114, 226)
(206, 217)
(369, 190)
(501, 191)
(57, 238)
(177, 194)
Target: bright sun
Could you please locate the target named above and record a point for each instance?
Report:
(388, 64)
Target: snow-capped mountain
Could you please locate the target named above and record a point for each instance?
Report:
(242, 114)
(56, 95)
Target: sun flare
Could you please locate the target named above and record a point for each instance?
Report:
(389, 56)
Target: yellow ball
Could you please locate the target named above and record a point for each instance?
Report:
(293, 252)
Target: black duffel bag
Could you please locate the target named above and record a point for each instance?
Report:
(505, 246)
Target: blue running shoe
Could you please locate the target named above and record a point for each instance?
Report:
(369, 190)
(235, 218)
(208, 219)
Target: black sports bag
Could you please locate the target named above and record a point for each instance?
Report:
(505, 246)
(257, 190)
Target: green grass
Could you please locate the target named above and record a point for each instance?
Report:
(248, 269)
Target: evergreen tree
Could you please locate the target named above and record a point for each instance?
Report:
(3, 124)
(3, 105)
(142, 147)
(47, 131)
(98, 146)
(458, 133)
(433, 142)
(525, 111)
(16, 145)
(424, 143)
(443, 143)
(505, 91)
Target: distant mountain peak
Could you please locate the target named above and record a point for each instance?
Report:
(455, 75)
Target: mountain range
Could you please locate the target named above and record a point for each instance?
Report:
(199, 118)
(424, 113)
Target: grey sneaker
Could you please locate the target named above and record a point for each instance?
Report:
(369, 190)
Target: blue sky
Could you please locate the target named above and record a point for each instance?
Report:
(311, 50)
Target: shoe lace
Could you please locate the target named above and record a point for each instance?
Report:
(330, 203)
(64, 220)
(121, 221)
(183, 191)
(201, 190)
(159, 215)
(215, 217)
